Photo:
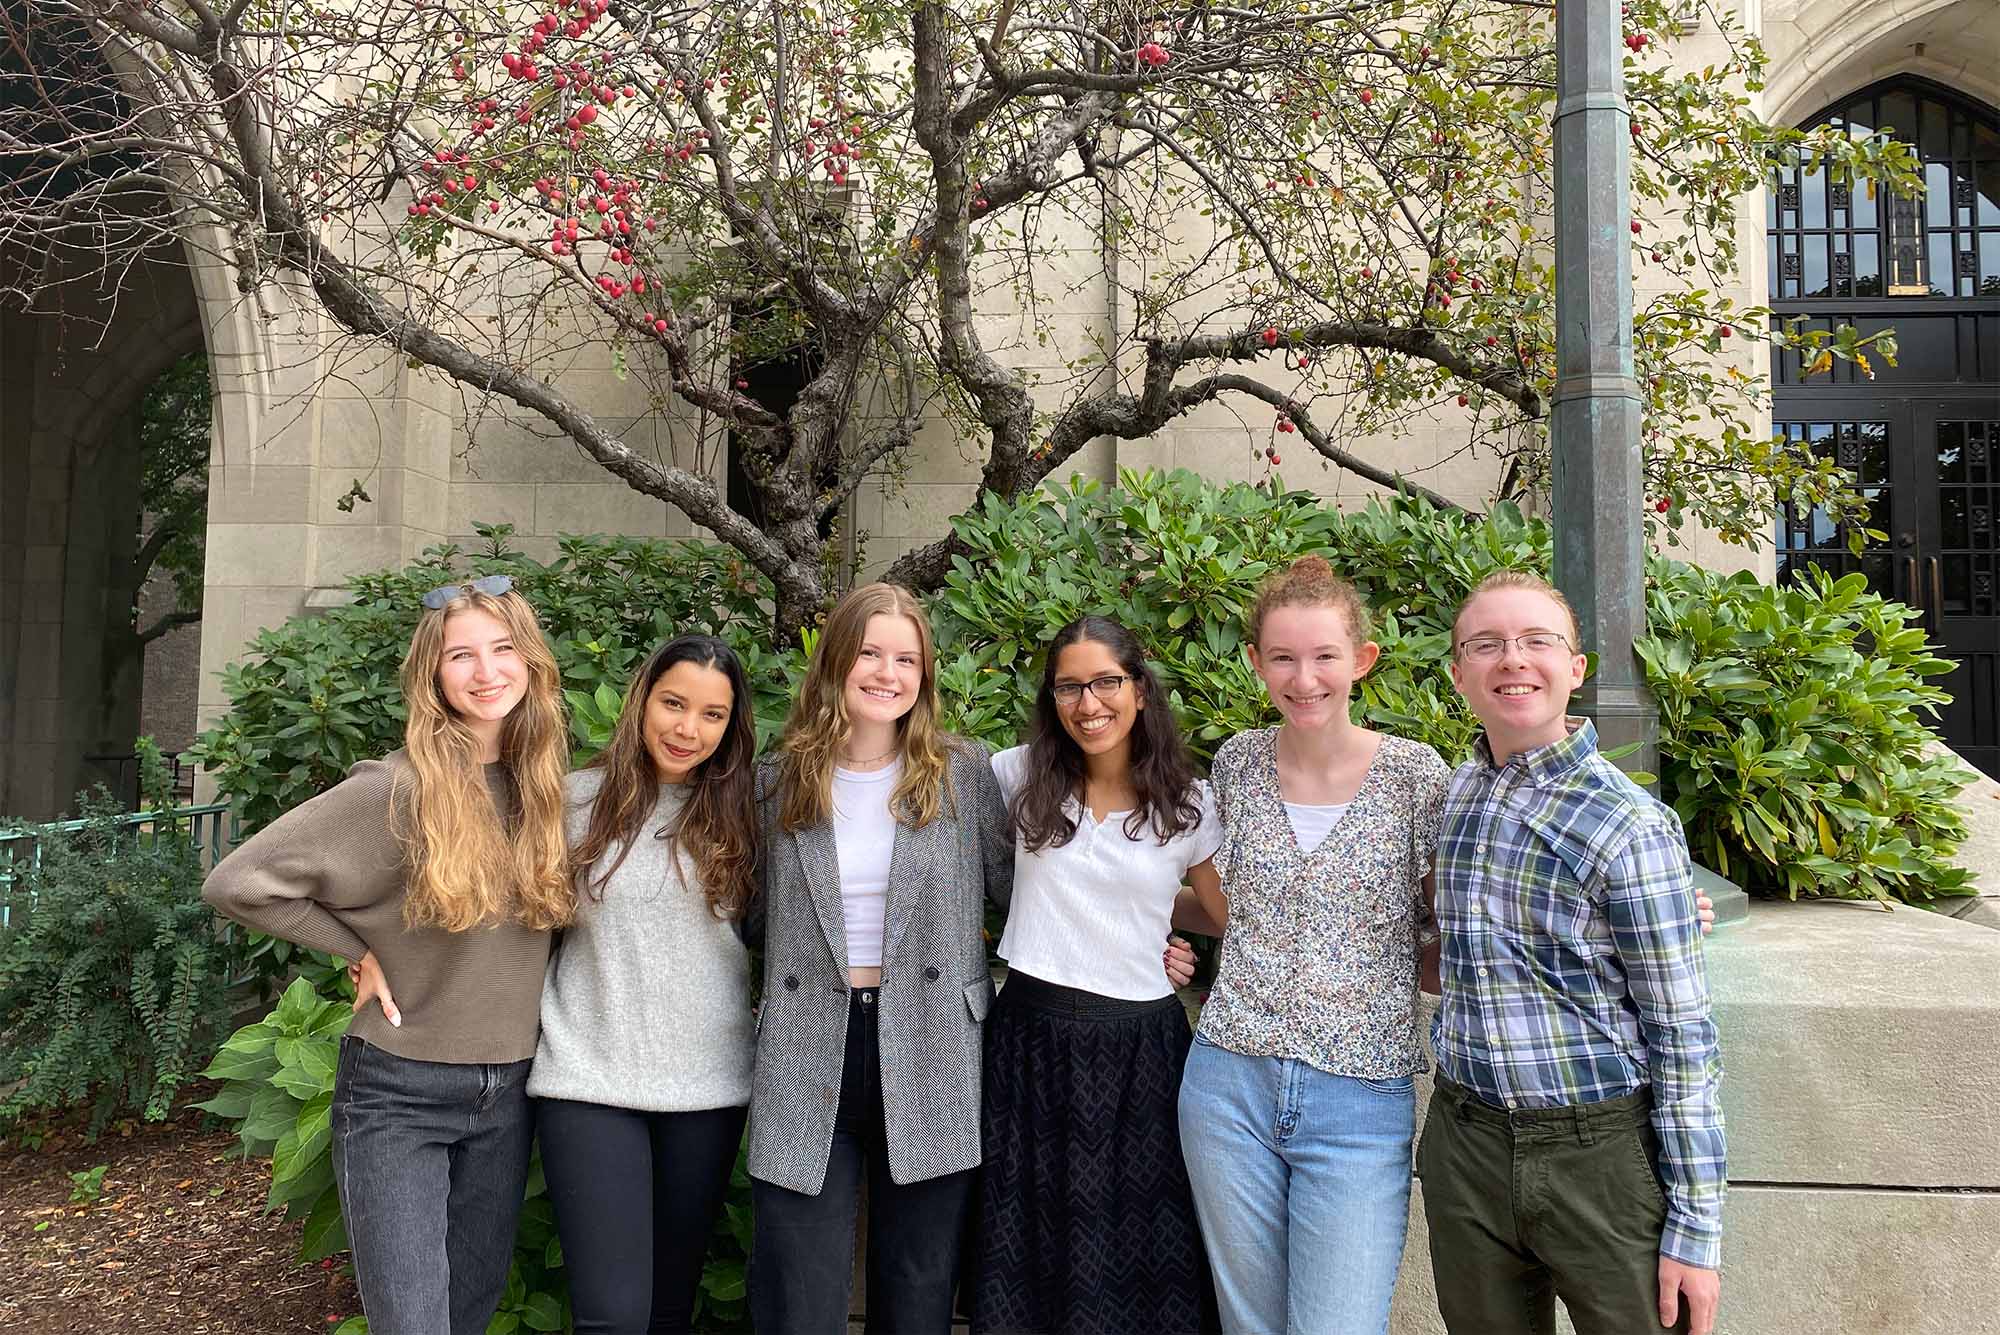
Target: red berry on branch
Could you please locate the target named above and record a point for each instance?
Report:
(1271, 336)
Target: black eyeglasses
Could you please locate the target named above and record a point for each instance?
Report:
(490, 585)
(1104, 688)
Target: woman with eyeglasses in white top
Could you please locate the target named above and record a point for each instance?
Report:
(1086, 1221)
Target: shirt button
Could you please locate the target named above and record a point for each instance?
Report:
(1481, 850)
(1482, 973)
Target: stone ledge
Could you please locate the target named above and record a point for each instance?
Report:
(1858, 1045)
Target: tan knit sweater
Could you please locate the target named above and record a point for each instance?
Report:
(330, 874)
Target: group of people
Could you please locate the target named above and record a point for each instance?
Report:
(568, 957)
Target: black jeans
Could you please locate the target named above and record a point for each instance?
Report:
(635, 1195)
(1528, 1206)
(802, 1257)
(431, 1159)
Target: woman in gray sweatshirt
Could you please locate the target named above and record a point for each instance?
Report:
(642, 1076)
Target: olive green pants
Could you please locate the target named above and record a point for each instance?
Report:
(1543, 1203)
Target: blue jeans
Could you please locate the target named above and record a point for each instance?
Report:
(1302, 1184)
(431, 1159)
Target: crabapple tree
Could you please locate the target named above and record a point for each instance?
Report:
(1330, 219)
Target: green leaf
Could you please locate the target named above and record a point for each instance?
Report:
(273, 1113)
(325, 1231)
(541, 1312)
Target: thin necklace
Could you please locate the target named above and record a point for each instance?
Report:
(851, 762)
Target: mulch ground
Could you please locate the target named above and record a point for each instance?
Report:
(175, 1242)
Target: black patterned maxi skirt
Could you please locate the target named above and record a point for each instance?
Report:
(1086, 1224)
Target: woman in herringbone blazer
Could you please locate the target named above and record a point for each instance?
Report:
(882, 838)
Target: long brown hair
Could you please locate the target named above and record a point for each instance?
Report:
(819, 726)
(717, 825)
(1162, 771)
(467, 869)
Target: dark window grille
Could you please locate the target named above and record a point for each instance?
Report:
(1828, 238)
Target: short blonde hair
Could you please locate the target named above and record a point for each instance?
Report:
(1310, 582)
(1519, 579)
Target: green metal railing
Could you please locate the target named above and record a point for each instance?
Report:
(212, 829)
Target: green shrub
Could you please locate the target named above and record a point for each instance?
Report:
(112, 973)
(1792, 741)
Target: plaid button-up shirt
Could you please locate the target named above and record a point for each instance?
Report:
(1572, 961)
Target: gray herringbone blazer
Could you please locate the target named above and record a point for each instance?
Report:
(935, 988)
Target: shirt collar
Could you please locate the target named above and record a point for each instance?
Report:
(1547, 763)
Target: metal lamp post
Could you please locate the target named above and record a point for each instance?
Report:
(1598, 485)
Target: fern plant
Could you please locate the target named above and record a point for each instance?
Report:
(111, 973)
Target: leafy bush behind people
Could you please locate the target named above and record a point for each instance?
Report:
(1793, 737)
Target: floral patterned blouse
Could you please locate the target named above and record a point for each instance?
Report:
(1320, 959)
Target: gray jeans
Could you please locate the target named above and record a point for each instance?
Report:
(431, 1159)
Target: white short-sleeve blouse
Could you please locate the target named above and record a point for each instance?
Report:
(1095, 913)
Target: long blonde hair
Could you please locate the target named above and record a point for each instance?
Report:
(819, 727)
(466, 868)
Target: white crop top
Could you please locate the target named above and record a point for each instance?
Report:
(864, 837)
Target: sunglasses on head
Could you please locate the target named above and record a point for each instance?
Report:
(490, 585)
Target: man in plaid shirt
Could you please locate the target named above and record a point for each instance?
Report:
(1574, 1144)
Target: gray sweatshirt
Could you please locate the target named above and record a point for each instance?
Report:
(647, 1003)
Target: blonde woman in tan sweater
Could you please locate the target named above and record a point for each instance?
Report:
(439, 871)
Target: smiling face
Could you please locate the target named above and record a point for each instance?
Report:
(687, 716)
(1309, 662)
(1521, 697)
(480, 673)
(1099, 727)
(887, 674)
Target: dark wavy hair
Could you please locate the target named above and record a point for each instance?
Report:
(1162, 770)
(718, 822)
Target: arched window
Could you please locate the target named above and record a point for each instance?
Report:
(1830, 240)
(1922, 438)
